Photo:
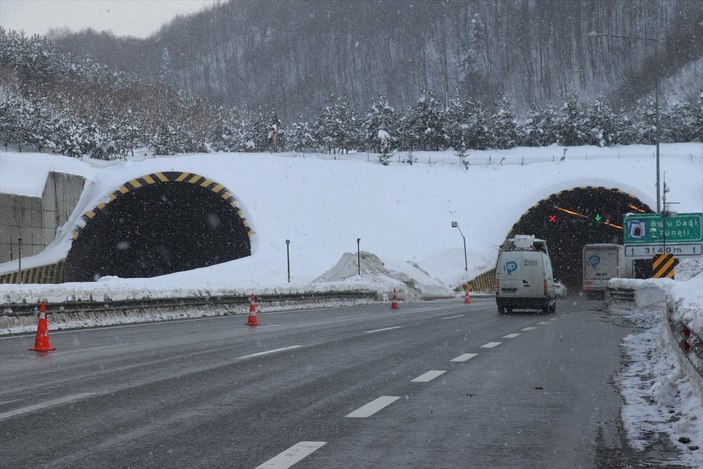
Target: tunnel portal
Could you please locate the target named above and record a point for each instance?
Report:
(156, 225)
(570, 219)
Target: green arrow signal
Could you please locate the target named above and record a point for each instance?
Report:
(598, 217)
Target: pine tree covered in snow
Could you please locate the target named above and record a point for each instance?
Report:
(423, 126)
(300, 136)
(504, 129)
(380, 118)
(540, 127)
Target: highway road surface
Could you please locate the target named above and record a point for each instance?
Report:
(430, 385)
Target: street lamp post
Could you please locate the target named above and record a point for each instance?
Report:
(288, 257)
(19, 252)
(466, 262)
(358, 256)
(656, 96)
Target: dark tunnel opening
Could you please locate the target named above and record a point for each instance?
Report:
(570, 219)
(157, 230)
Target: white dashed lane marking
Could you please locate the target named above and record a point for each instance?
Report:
(292, 455)
(491, 344)
(372, 407)
(464, 357)
(44, 405)
(384, 329)
(510, 336)
(269, 352)
(429, 376)
(453, 317)
(529, 328)
(543, 322)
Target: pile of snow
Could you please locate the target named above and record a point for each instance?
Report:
(408, 278)
(686, 294)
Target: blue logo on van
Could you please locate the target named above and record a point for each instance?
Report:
(510, 267)
(593, 260)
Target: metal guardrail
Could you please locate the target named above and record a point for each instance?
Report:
(29, 309)
(691, 344)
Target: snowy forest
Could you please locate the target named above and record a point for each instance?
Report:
(55, 101)
(290, 54)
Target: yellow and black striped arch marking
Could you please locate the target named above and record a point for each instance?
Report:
(168, 177)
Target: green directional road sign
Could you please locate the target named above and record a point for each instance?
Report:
(651, 228)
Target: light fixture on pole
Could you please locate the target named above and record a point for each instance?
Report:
(466, 262)
(595, 34)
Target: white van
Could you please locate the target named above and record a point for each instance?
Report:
(524, 277)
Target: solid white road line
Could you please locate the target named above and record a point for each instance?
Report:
(372, 407)
(292, 455)
(384, 329)
(43, 405)
(491, 344)
(429, 376)
(529, 328)
(510, 336)
(464, 357)
(268, 352)
(454, 317)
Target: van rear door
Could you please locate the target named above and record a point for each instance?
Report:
(510, 275)
(533, 275)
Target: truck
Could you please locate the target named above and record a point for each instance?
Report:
(601, 262)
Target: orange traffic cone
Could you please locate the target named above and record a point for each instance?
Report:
(467, 298)
(252, 321)
(41, 342)
(394, 302)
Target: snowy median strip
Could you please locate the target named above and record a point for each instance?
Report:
(372, 407)
(292, 455)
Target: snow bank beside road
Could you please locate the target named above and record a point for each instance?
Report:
(663, 393)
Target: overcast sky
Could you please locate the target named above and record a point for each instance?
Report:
(139, 18)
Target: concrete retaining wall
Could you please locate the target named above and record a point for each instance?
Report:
(35, 219)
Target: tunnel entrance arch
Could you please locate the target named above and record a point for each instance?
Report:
(572, 218)
(158, 224)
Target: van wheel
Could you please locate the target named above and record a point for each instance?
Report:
(501, 310)
(553, 308)
(546, 308)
